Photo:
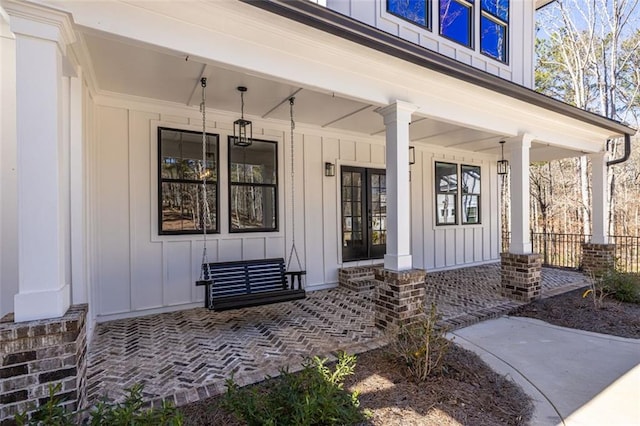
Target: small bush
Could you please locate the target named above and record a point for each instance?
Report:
(422, 346)
(314, 396)
(128, 413)
(623, 286)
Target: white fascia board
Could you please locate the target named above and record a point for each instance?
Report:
(242, 37)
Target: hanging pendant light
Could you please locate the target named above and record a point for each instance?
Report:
(242, 129)
(503, 165)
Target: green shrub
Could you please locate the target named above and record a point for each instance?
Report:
(128, 413)
(422, 346)
(313, 396)
(624, 287)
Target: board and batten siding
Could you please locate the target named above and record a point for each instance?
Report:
(135, 270)
(519, 69)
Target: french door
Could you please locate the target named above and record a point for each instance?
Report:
(364, 213)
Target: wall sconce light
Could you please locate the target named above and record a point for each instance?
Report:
(503, 165)
(412, 155)
(242, 129)
(329, 169)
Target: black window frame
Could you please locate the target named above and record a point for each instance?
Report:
(428, 15)
(215, 185)
(469, 4)
(275, 185)
(478, 195)
(497, 20)
(438, 192)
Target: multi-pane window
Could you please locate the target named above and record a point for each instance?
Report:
(446, 193)
(455, 188)
(415, 11)
(253, 186)
(456, 21)
(494, 22)
(470, 194)
(183, 208)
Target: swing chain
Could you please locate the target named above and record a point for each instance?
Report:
(205, 202)
(294, 250)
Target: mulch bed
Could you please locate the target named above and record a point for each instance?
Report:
(468, 392)
(573, 311)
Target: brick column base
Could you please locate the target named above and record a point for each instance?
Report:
(598, 258)
(399, 298)
(36, 354)
(521, 276)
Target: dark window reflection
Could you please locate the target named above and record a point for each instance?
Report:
(456, 21)
(183, 208)
(416, 11)
(253, 201)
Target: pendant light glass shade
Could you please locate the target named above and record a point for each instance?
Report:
(242, 129)
(503, 165)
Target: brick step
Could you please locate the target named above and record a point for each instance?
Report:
(360, 284)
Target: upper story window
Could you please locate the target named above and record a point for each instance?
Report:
(494, 22)
(180, 193)
(456, 21)
(416, 11)
(253, 186)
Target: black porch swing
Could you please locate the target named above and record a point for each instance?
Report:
(243, 283)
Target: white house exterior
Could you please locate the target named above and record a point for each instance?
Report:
(87, 85)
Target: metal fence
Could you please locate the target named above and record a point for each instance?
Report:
(565, 250)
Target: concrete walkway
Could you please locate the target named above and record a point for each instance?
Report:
(574, 377)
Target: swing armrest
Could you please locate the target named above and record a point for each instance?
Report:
(295, 277)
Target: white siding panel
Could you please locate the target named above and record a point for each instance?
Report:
(146, 256)
(253, 248)
(330, 212)
(364, 11)
(458, 245)
(469, 244)
(274, 247)
(478, 244)
(440, 247)
(313, 201)
(377, 154)
(113, 212)
(178, 273)
(363, 152)
(347, 150)
(230, 249)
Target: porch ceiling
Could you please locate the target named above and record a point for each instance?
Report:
(129, 68)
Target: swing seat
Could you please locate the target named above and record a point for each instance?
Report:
(243, 283)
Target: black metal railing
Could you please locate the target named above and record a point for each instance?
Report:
(565, 250)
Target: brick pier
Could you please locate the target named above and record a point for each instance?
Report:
(521, 276)
(39, 354)
(598, 258)
(399, 299)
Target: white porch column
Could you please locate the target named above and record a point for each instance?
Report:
(42, 156)
(397, 117)
(599, 216)
(520, 235)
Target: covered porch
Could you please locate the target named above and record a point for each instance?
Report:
(186, 356)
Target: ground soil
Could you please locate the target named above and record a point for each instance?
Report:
(574, 311)
(468, 392)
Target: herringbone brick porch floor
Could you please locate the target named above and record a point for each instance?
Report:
(187, 355)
